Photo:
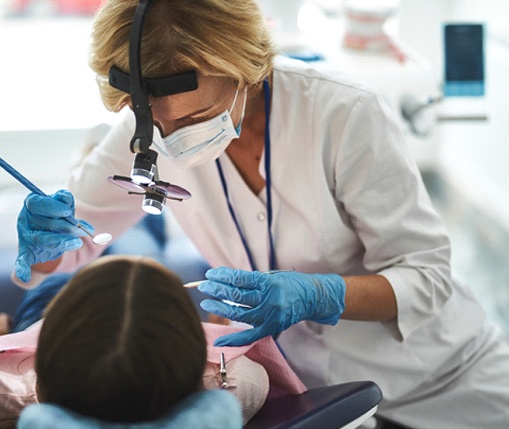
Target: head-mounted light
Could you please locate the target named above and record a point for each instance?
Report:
(144, 171)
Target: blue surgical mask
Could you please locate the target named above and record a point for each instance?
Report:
(202, 142)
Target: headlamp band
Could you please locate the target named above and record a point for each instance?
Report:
(158, 86)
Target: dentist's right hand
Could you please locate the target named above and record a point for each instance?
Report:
(43, 233)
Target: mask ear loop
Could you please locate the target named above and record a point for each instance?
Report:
(243, 108)
(234, 100)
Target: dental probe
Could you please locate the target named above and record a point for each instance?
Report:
(194, 284)
(226, 301)
(98, 239)
(199, 282)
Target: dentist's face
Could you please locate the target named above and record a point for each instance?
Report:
(213, 96)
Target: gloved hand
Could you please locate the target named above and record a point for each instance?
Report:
(43, 234)
(275, 300)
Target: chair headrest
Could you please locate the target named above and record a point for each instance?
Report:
(208, 409)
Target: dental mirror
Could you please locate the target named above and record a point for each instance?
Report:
(102, 238)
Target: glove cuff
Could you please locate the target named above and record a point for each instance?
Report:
(330, 298)
(36, 278)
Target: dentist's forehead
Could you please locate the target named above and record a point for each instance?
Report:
(212, 92)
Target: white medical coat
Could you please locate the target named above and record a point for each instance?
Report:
(348, 199)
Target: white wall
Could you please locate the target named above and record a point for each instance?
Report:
(473, 155)
(49, 95)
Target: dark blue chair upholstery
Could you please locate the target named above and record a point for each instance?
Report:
(341, 406)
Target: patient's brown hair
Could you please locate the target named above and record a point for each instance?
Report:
(122, 342)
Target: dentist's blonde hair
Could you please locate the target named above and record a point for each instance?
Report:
(226, 38)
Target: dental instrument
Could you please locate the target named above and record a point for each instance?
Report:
(222, 372)
(199, 282)
(194, 284)
(100, 239)
(226, 301)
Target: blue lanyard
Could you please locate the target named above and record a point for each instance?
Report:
(272, 256)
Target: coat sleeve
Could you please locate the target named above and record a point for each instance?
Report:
(382, 190)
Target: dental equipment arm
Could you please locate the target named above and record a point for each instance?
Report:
(272, 302)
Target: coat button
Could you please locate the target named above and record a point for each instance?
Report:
(261, 216)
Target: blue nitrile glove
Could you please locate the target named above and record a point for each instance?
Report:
(43, 234)
(277, 300)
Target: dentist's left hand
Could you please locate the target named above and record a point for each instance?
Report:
(43, 233)
(276, 300)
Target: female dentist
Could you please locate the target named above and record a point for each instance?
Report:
(303, 183)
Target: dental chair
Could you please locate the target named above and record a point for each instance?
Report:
(343, 406)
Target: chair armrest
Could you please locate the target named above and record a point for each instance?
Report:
(329, 407)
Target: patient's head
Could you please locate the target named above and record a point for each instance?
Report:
(122, 342)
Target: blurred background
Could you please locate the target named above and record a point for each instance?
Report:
(442, 65)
